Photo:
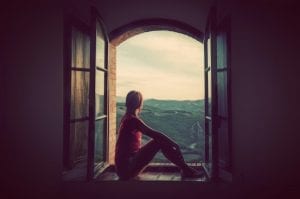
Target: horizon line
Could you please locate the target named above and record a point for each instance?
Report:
(166, 99)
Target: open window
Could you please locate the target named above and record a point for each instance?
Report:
(223, 99)
(217, 98)
(90, 95)
(86, 98)
(99, 95)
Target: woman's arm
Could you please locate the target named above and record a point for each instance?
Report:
(156, 135)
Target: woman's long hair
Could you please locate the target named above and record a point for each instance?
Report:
(134, 101)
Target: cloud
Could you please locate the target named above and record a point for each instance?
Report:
(175, 47)
(163, 65)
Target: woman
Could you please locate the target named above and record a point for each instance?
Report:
(131, 158)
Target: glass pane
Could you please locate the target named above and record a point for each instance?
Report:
(221, 51)
(223, 138)
(209, 145)
(100, 85)
(209, 90)
(222, 93)
(99, 141)
(208, 52)
(79, 94)
(100, 46)
(80, 49)
(78, 151)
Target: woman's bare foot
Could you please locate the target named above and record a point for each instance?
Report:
(192, 173)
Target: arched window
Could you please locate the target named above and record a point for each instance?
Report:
(90, 97)
(86, 97)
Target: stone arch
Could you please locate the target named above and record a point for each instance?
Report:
(127, 31)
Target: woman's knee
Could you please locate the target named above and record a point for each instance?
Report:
(176, 147)
(168, 147)
(155, 144)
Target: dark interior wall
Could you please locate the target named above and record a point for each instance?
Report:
(264, 82)
(264, 97)
(265, 47)
(32, 60)
(117, 13)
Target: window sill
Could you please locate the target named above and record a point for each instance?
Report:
(154, 172)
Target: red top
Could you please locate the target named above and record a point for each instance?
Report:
(129, 138)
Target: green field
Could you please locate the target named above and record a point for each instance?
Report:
(183, 121)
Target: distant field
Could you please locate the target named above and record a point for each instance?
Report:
(183, 121)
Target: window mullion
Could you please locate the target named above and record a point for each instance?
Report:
(102, 69)
(80, 69)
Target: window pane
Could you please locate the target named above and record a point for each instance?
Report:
(78, 137)
(209, 87)
(223, 144)
(100, 47)
(79, 94)
(78, 151)
(209, 145)
(80, 49)
(100, 94)
(99, 140)
(208, 52)
(221, 51)
(210, 138)
(222, 93)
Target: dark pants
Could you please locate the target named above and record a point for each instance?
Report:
(132, 166)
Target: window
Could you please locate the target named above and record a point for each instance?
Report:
(86, 99)
(217, 98)
(100, 48)
(224, 101)
(77, 90)
(90, 93)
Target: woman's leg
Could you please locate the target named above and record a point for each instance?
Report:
(174, 155)
(147, 153)
(144, 157)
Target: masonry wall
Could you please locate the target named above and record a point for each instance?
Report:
(112, 104)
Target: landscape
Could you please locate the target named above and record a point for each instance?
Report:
(183, 121)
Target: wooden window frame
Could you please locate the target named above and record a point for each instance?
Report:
(93, 171)
(213, 27)
(224, 25)
(71, 21)
(117, 38)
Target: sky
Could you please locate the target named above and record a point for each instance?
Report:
(161, 65)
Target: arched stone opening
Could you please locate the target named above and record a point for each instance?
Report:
(120, 35)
